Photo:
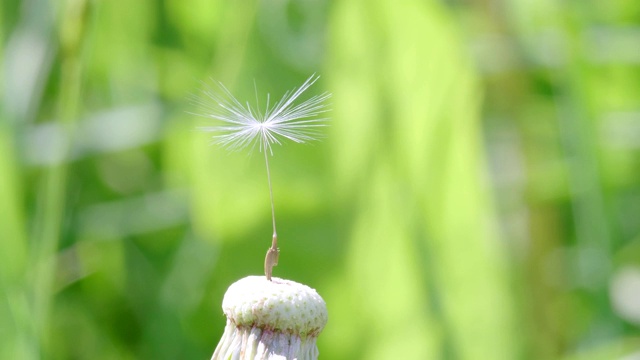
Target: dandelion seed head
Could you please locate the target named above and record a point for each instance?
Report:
(246, 126)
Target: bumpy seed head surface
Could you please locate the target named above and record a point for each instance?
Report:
(278, 305)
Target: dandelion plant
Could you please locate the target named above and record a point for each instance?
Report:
(271, 319)
(268, 317)
(245, 126)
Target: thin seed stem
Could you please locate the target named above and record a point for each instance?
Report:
(273, 212)
(271, 259)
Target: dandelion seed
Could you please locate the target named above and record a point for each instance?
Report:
(246, 126)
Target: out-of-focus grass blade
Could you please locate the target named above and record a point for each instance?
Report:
(14, 319)
(424, 261)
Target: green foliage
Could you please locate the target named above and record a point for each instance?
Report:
(475, 197)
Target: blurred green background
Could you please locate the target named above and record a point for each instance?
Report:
(476, 196)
